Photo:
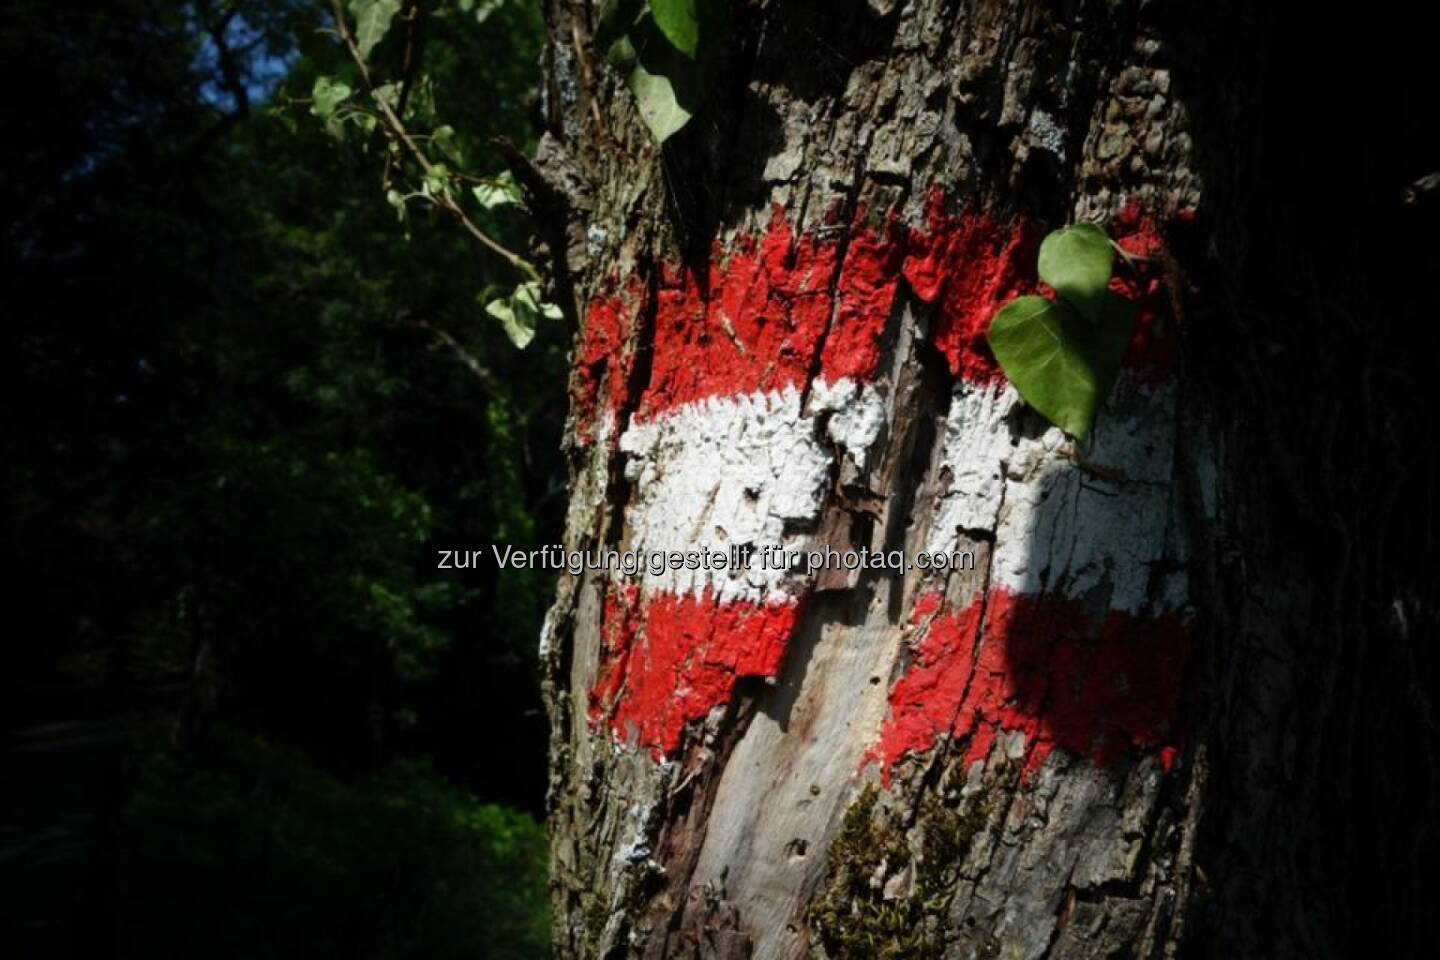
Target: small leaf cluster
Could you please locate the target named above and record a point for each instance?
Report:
(1063, 355)
(667, 52)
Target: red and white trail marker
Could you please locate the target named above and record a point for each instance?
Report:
(1078, 639)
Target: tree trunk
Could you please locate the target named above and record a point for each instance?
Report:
(1179, 703)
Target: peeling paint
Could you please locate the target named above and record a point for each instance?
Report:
(969, 265)
(857, 415)
(676, 657)
(600, 377)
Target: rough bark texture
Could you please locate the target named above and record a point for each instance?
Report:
(1181, 704)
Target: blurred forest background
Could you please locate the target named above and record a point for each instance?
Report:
(244, 715)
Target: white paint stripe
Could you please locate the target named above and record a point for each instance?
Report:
(725, 472)
(1103, 530)
(857, 414)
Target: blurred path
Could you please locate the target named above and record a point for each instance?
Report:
(59, 785)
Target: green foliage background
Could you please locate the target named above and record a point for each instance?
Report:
(233, 429)
(249, 851)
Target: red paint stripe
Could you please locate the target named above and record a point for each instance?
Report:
(1155, 349)
(671, 658)
(970, 266)
(752, 324)
(602, 362)
(865, 299)
(756, 317)
(1095, 687)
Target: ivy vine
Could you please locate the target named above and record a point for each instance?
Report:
(423, 162)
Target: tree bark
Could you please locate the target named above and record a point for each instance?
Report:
(1181, 702)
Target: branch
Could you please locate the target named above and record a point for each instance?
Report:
(482, 373)
(398, 131)
(411, 60)
(230, 76)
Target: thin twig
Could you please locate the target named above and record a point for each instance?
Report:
(411, 60)
(482, 373)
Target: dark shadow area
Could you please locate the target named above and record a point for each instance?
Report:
(59, 785)
(1320, 350)
(1307, 337)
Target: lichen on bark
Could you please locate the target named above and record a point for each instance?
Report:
(887, 889)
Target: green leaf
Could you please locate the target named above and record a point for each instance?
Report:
(483, 12)
(498, 191)
(668, 86)
(621, 55)
(660, 108)
(437, 181)
(372, 22)
(1062, 365)
(520, 329)
(528, 294)
(396, 199)
(519, 312)
(388, 94)
(679, 21)
(1077, 262)
(327, 94)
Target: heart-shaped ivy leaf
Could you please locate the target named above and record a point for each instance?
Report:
(372, 22)
(1077, 262)
(1062, 364)
(519, 312)
(666, 50)
(327, 95)
(659, 102)
(498, 191)
(668, 85)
